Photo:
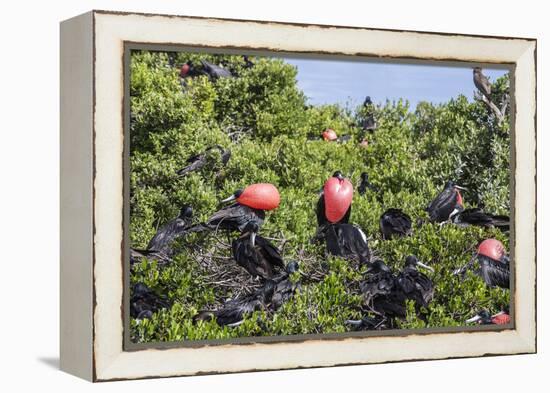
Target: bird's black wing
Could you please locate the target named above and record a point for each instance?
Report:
(270, 252)
(235, 217)
(320, 211)
(380, 284)
(494, 273)
(245, 255)
(195, 163)
(395, 221)
(348, 241)
(166, 235)
(416, 286)
(443, 205)
(477, 217)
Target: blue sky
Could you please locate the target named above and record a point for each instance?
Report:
(329, 81)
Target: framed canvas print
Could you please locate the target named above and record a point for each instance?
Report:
(246, 195)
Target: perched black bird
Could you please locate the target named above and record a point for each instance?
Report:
(285, 288)
(369, 122)
(386, 294)
(233, 312)
(482, 83)
(447, 203)
(164, 237)
(256, 254)
(381, 292)
(394, 222)
(495, 272)
(367, 101)
(196, 162)
(320, 211)
(365, 184)
(144, 302)
(247, 62)
(234, 217)
(270, 297)
(484, 318)
(478, 217)
(414, 284)
(214, 71)
(347, 241)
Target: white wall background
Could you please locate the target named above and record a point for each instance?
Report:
(29, 211)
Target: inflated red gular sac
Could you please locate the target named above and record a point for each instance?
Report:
(184, 70)
(338, 194)
(260, 196)
(492, 248)
(329, 135)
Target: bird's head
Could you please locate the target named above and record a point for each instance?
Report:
(186, 211)
(252, 228)
(477, 70)
(338, 175)
(378, 266)
(292, 267)
(483, 317)
(412, 261)
(368, 101)
(365, 176)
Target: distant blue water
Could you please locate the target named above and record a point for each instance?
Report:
(348, 82)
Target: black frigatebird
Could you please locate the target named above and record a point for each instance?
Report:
(285, 286)
(233, 311)
(162, 241)
(144, 302)
(197, 161)
(215, 71)
(270, 297)
(255, 253)
(252, 202)
(394, 222)
(482, 83)
(365, 184)
(386, 293)
(494, 264)
(478, 217)
(381, 293)
(484, 318)
(247, 62)
(347, 241)
(447, 203)
(415, 284)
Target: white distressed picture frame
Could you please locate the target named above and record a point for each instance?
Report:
(92, 195)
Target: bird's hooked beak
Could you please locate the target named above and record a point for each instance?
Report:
(461, 188)
(473, 319)
(425, 266)
(231, 198)
(253, 238)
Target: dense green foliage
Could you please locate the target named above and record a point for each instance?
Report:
(273, 134)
